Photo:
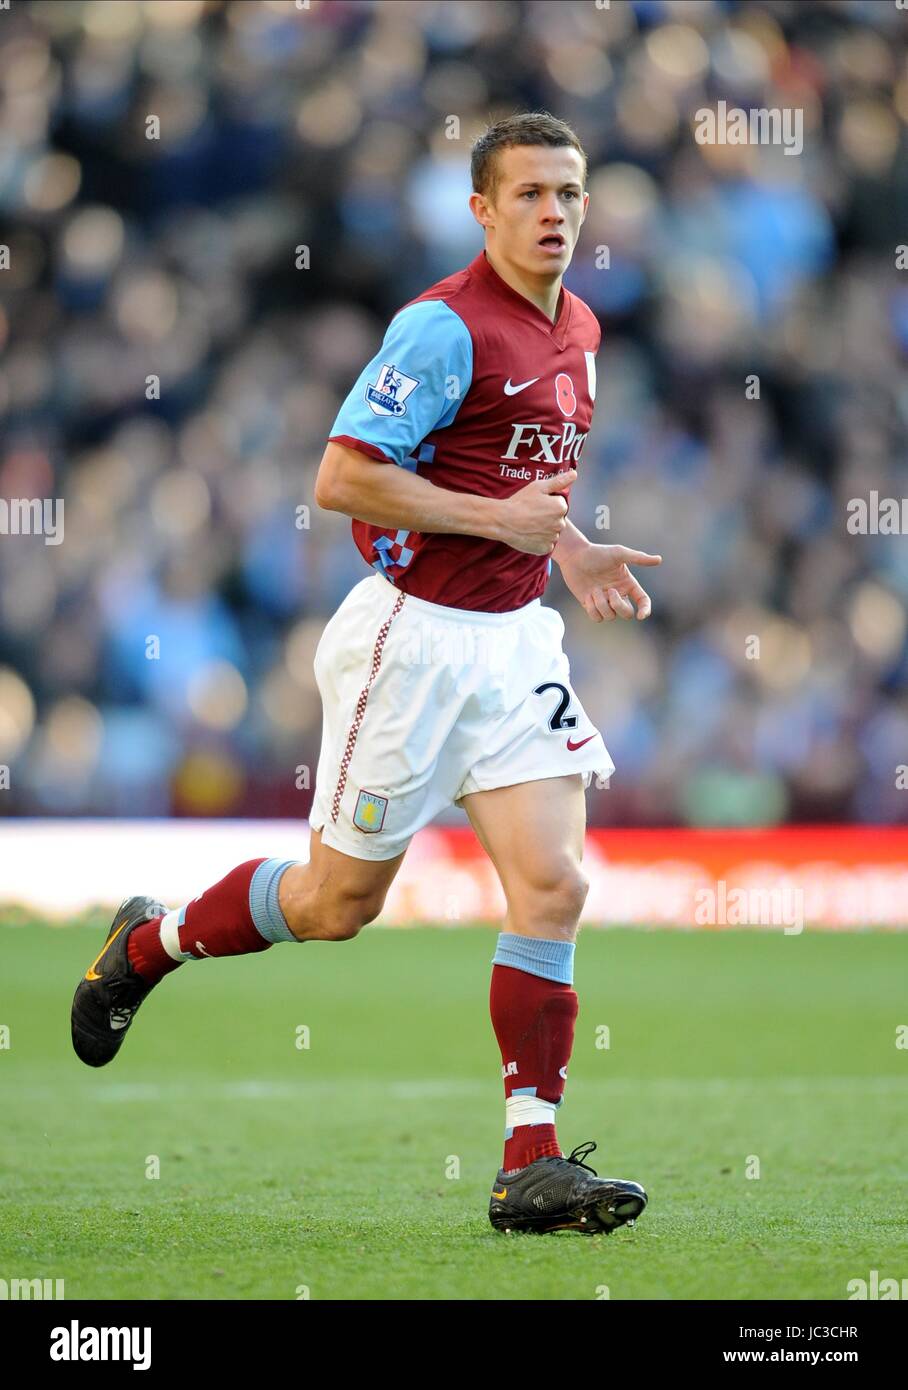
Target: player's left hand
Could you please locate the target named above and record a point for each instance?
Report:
(602, 584)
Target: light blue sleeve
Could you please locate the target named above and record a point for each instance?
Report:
(414, 384)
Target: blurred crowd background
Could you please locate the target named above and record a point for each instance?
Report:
(346, 127)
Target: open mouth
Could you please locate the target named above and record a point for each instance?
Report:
(553, 242)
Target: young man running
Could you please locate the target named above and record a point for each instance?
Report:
(442, 675)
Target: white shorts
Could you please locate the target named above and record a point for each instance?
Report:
(423, 704)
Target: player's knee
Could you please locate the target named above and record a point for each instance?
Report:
(346, 916)
(573, 886)
(559, 893)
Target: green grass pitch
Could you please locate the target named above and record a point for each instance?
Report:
(360, 1167)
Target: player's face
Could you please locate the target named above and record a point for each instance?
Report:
(539, 207)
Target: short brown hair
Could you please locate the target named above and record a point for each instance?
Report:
(526, 128)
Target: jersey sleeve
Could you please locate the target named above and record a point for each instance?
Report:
(414, 384)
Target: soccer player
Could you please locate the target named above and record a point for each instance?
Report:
(442, 675)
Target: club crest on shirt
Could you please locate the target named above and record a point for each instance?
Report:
(369, 812)
(388, 395)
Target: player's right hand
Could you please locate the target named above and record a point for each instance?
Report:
(533, 516)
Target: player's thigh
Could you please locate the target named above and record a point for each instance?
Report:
(534, 832)
(335, 894)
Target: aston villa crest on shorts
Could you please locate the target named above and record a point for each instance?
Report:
(369, 812)
(388, 395)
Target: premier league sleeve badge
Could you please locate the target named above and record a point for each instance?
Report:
(388, 395)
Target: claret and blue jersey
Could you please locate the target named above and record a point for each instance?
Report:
(477, 390)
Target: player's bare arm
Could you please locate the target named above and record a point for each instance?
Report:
(599, 578)
(532, 519)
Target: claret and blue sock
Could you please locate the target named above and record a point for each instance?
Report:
(534, 1009)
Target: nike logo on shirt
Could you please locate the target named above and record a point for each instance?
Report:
(510, 390)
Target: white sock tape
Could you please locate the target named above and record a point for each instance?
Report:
(170, 936)
(528, 1110)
